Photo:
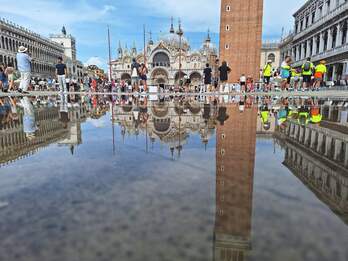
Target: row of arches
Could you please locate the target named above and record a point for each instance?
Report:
(161, 76)
(41, 52)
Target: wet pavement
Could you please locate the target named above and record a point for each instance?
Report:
(173, 178)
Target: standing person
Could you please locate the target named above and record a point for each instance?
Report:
(307, 72)
(24, 66)
(320, 71)
(135, 74)
(242, 82)
(61, 72)
(10, 72)
(143, 75)
(267, 73)
(286, 73)
(207, 78)
(224, 70)
(296, 73)
(3, 79)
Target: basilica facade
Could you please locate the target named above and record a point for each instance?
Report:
(163, 59)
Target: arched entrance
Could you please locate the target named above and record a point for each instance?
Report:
(196, 78)
(161, 59)
(177, 77)
(160, 76)
(125, 77)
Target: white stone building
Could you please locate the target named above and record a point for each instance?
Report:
(270, 52)
(320, 32)
(75, 67)
(44, 51)
(162, 59)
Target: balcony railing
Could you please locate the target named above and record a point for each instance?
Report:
(331, 15)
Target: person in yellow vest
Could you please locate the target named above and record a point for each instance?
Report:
(320, 71)
(267, 73)
(315, 115)
(303, 115)
(265, 118)
(307, 72)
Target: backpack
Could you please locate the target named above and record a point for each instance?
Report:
(307, 66)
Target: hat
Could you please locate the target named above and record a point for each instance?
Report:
(22, 49)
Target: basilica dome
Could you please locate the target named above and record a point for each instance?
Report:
(173, 40)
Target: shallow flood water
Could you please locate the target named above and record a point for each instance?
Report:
(103, 178)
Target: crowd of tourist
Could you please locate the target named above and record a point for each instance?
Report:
(306, 77)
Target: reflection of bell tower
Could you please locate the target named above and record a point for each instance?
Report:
(235, 160)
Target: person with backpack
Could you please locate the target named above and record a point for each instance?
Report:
(320, 71)
(307, 73)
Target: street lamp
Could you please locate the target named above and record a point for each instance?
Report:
(180, 33)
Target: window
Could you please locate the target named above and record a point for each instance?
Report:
(271, 57)
(228, 8)
(227, 46)
(227, 27)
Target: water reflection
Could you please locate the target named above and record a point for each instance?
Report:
(196, 134)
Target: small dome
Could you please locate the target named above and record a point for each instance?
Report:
(173, 40)
(209, 48)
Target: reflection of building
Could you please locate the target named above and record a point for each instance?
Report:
(235, 160)
(240, 36)
(169, 122)
(14, 143)
(270, 52)
(319, 172)
(163, 58)
(320, 32)
(44, 51)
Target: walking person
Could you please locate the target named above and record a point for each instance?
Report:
(61, 72)
(320, 71)
(3, 79)
(10, 73)
(307, 73)
(135, 74)
(207, 78)
(24, 67)
(267, 73)
(224, 70)
(286, 73)
(143, 75)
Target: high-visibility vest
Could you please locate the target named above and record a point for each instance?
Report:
(264, 116)
(267, 70)
(316, 118)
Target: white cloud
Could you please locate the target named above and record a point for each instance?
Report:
(95, 60)
(47, 14)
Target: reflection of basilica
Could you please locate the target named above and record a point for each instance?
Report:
(163, 58)
(169, 122)
(235, 160)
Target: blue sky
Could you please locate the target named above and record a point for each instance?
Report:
(87, 20)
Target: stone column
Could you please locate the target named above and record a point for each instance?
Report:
(308, 54)
(313, 139)
(328, 145)
(325, 8)
(320, 142)
(333, 73)
(329, 39)
(321, 46)
(303, 53)
(338, 148)
(339, 35)
(307, 136)
(314, 49)
(297, 56)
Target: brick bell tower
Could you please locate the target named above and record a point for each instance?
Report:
(241, 37)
